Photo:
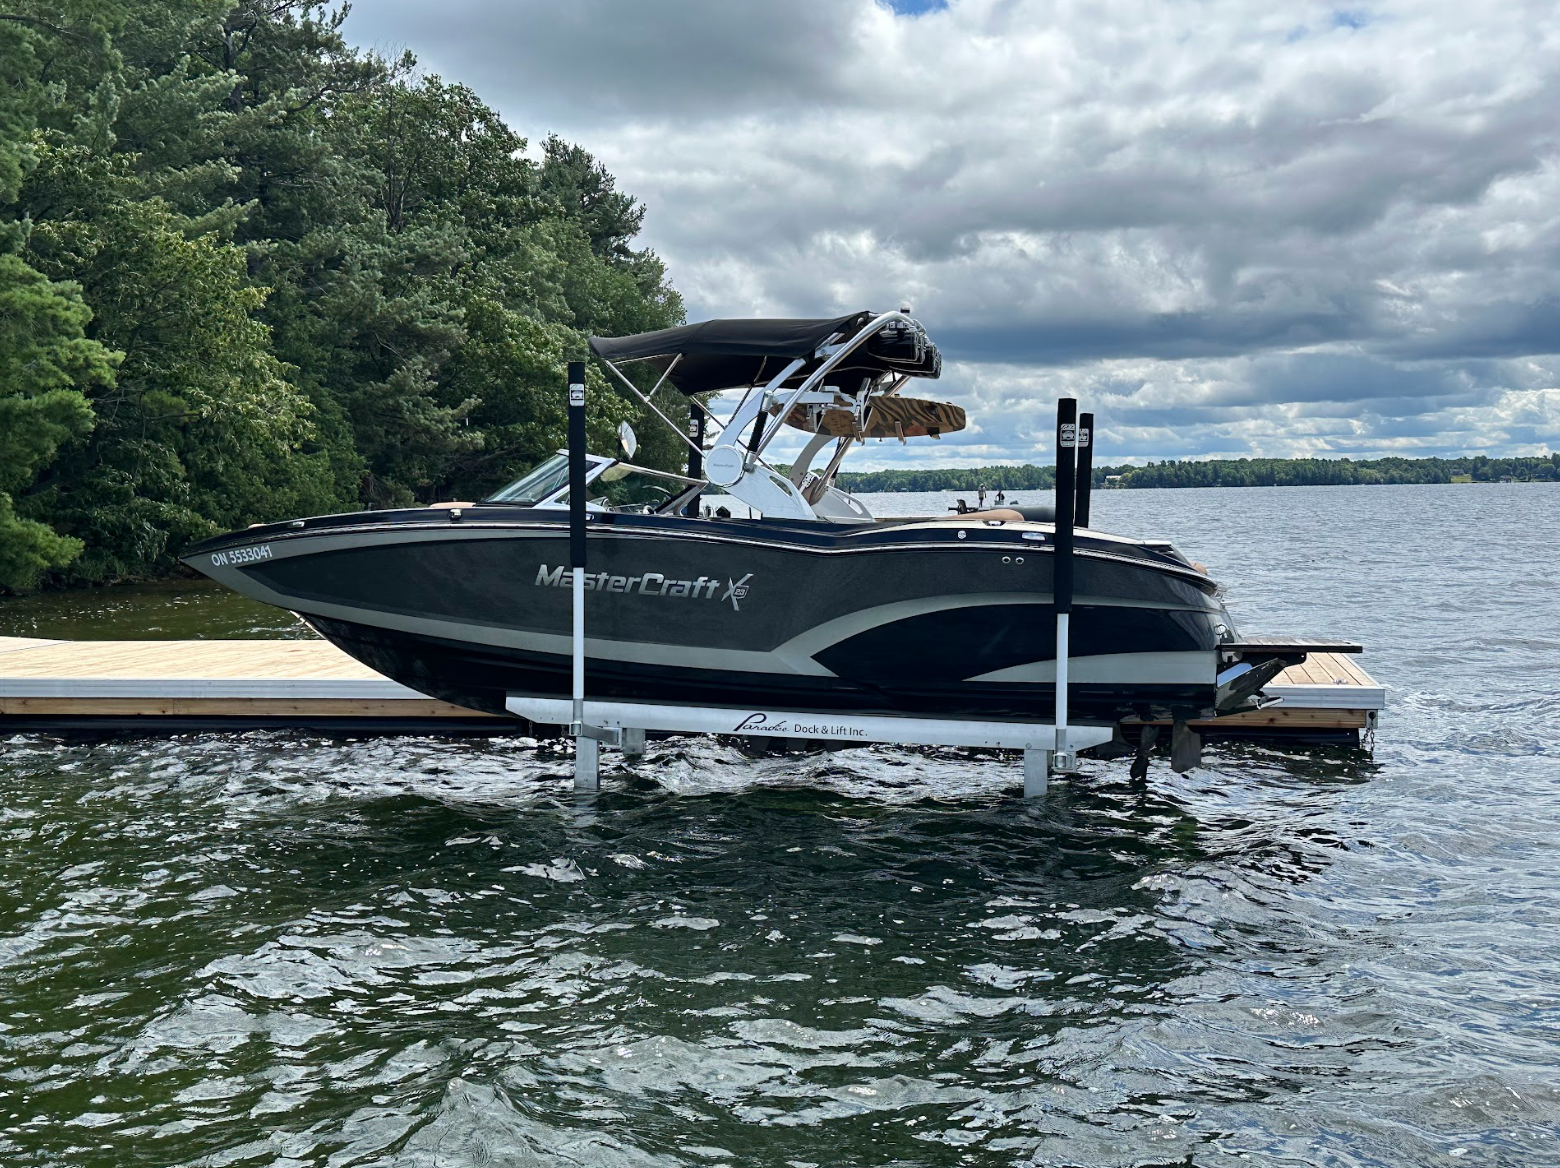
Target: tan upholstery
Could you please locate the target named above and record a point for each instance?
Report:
(1004, 514)
(887, 417)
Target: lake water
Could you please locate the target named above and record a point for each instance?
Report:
(271, 949)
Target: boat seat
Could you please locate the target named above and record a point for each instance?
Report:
(1000, 514)
(1003, 514)
(1037, 512)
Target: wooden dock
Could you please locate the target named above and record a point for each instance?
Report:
(162, 685)
(1328, 697)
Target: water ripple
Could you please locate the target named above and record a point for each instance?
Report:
(271, 949)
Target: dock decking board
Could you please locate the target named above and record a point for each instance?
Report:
(312, 679)
(232, 708)
(12, 644)
(192, 660)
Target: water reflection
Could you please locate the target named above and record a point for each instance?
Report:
(164, 610)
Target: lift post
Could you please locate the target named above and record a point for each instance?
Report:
(1063, 760)
(1085, 468)
(587, 738)
(696, 425)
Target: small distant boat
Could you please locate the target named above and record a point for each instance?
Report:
(814, 605)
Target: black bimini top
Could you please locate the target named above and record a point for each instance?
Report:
(722, 354)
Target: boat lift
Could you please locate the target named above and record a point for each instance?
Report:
(1298, 690)
(1049, 747)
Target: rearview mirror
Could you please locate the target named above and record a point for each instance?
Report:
(627, 439)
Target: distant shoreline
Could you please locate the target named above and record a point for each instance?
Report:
(1244, 472)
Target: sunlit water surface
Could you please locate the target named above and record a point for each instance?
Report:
(270, 949)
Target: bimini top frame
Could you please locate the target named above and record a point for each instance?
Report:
(730, 354)
(781, 364)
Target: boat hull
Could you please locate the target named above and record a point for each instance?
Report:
(947, 619)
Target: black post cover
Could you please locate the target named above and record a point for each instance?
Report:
(577, 464)
(695, 457)
(1066, 494)
(1085, 467)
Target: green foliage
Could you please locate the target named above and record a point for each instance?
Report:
(506, 357)
(1245, 472)
(248, 272)
(201, 430)
(993, 478)
(584, 192)
(47, 361)
(1306, 472)
(46, 364)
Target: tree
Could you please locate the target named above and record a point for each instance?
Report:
(583, 192)
(46, 364)
(200, 430)
(276, 276)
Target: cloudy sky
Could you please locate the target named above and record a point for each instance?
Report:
(1230, 227)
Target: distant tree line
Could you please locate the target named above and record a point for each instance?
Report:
(1244, 472)
(993, 478)
(247, 272)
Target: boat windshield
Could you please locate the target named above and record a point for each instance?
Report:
(622, 487)
(536, 486)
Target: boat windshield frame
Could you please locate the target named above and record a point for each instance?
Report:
(552, 473)
(597, 466)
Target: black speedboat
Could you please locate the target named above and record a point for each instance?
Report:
(783, 591)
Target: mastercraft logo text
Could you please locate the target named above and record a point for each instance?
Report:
(650, 584)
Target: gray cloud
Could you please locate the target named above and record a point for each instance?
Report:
(1242, 227)
(574, 62)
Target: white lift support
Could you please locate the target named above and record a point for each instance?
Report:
(627, 721)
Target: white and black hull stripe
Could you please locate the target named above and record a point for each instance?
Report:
(950, 619)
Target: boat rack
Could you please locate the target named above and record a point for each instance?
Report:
(624, 724)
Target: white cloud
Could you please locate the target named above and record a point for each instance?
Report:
(1285, 228)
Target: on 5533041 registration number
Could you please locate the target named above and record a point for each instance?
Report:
(243, 555)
